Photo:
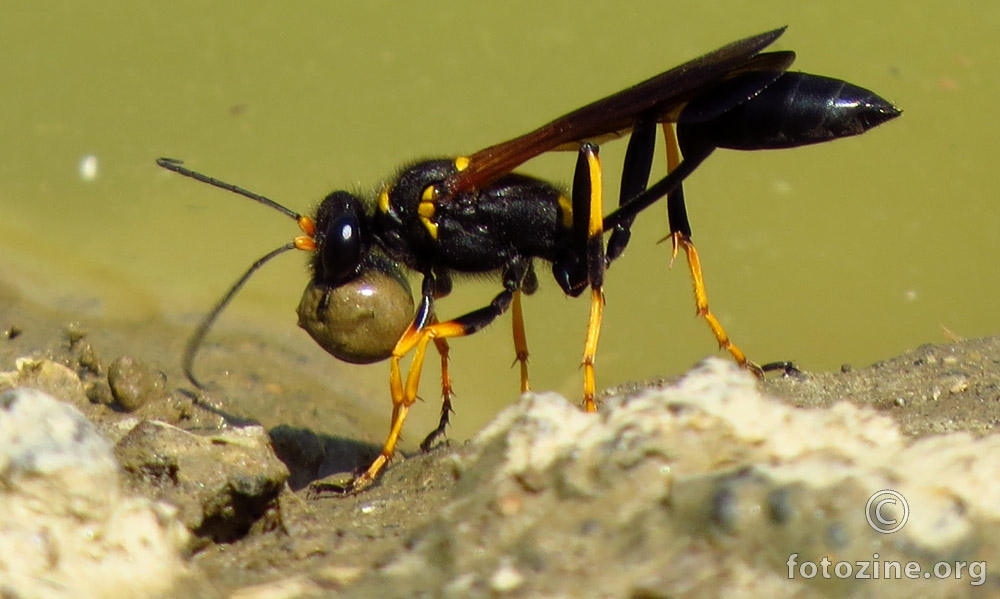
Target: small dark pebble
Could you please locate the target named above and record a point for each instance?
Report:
(13, 332)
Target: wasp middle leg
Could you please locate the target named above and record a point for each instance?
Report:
(585, 264)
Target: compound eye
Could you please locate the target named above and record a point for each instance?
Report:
(341, 254)
(340, 238)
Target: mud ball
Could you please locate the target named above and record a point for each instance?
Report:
(360, 321)
(135, 383)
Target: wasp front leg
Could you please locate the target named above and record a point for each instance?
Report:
(424, 329)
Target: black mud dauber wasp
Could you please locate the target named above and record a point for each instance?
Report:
(472, 214)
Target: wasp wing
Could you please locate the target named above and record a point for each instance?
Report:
(661, 97)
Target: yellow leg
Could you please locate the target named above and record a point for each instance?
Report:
(673, 159)
(590, 348)
(443, 350)
(595, 256)
(680, 241)
(520, 340)
(701, 305)
(673, 148)
(404, 394)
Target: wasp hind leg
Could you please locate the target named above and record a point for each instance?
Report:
(680, 239)
(635, 178)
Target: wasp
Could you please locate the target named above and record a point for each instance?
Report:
(473, 214)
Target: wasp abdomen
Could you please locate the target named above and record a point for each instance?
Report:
(797, 109)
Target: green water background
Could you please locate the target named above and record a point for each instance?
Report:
(845, 252)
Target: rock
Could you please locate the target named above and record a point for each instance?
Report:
(140, 387)
(66, 527)
(221, 483)
(705, 489)
(47, 376)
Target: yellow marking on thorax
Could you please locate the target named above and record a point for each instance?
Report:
(461, 163)
(426, 209)
(383, 200)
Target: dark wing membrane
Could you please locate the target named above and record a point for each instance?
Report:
(764, 68)
(662, 96)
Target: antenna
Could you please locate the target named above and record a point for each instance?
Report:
(305, 242)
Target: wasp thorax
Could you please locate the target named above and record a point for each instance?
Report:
(359, 321)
